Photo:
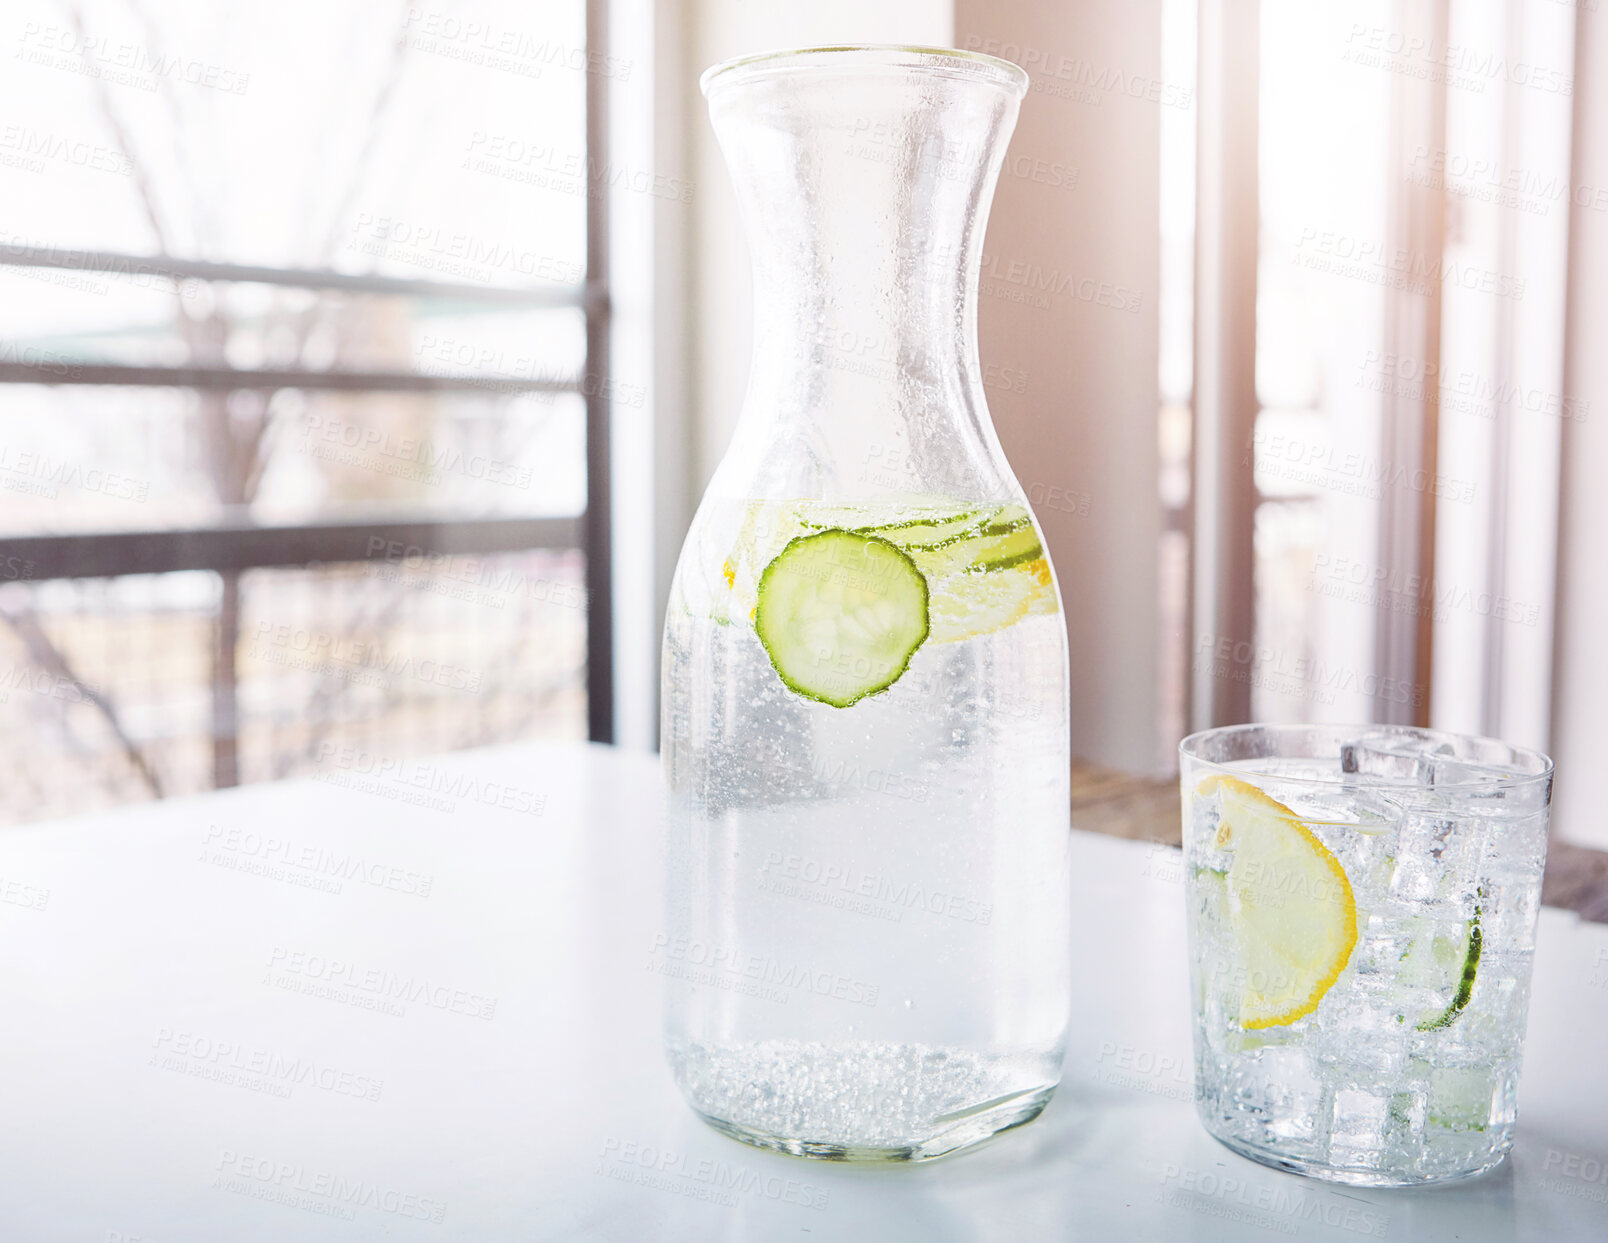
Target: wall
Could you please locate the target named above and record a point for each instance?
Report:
(1069, 301)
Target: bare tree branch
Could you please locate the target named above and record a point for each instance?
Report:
(50, 658)
(204, 217)
(142, 183)
(332, 689)
(382, 101)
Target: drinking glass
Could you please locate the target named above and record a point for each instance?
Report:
(1362, 909)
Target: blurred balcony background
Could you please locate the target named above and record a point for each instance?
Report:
(362, 366)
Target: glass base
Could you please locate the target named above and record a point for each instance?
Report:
(1356, 1177)
(964, 1133)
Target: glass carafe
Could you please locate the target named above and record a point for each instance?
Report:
(865, 684)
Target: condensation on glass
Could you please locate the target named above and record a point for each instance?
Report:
(868, 943)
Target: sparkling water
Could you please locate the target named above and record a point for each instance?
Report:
(1388, 1081)
(866, 955)
(868, 944)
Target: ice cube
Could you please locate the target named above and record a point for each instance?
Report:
(1460, 1098)
(1357, 1127)
(1400, 757)
(1282, 1085)
(1477, 771)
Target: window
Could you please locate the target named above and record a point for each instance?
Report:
(1376, 386)
(304, 360)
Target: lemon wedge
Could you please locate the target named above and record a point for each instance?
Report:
(1291, 908)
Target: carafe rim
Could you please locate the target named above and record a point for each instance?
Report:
(936, 61)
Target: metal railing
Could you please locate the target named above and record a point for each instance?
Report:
(232, 547)
(240, 546)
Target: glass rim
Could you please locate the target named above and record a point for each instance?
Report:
(938, 61)
(1191, 746)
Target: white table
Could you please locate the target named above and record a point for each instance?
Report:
(171, 1072)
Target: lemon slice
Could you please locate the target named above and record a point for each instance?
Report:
(981, 603)
(987, 579)
(1293, 914)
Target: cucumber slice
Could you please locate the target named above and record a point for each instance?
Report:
(840, 614)
(1011, 550)
(1465, 983)
(997, 546)
(931, 533)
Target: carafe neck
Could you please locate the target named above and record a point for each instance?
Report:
(864, 178)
